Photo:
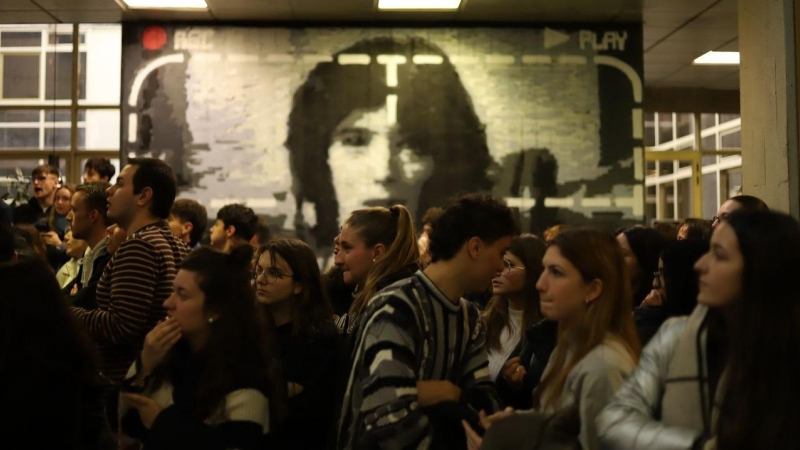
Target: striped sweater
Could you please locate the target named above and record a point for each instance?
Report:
(411, 332)
(130, 296)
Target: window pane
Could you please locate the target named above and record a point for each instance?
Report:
(710, 201)
(20, 39)
(668, 202)
(19, 115)
(20, 76)
(59, 138)
(685, 125)
(19, 138)
(650, 204)
(649, 129)
(102, 67)
(651, 168)
(102, 129)
(58, 81)
(665, 167)
(731, 140)
(63, 115)
(727, 118)
(664, 127)
(685, 199)
(709, 143)
(64, 38)
(708, 120)
(734, 183)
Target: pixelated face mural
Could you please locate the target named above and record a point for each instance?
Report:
(306, 125)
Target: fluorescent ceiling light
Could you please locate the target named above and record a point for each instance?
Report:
(166, 4)
(418, 4)
(729, 58)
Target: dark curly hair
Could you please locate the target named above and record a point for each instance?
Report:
(242, 218)
(466, 217)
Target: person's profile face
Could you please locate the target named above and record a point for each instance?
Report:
(90, 175)
(370, 167)
(726, 208)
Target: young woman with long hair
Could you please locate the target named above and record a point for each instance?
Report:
(378, 247)
(725, 377)
(205, 376)
(584, 288)
(51, 386)
(515, 304)
(641, 247)
(289, 289)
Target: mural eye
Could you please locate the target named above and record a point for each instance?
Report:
(355, 137)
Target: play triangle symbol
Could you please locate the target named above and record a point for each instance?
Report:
(554, 38)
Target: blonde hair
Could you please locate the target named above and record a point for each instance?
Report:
(394, 228)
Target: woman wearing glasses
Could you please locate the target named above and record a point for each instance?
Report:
(289, 288)
(674, 287)
(584, 289)
(513, 309)
(740, 202)
(726, 376)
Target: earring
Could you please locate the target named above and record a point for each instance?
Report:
(374, 259)
(587, 301)
(210, 320)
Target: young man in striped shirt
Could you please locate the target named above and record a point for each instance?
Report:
(138, 279)
(420, 364)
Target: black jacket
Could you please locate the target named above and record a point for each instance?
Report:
(534, 351)
(29, 212)
(648, 320)
(87, 295)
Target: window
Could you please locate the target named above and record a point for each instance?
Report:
(20, 76)
(731, 140)
(649, 129)
(727, 117)
(708, 120)
(709, 143)
(650, 204)
(710, 198)
(36, 95)
(684, 124)
(665, 128)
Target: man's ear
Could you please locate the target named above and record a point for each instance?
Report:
(187, 228)
(474, 246)
(145, 196)
(94, 215)
(230, 231)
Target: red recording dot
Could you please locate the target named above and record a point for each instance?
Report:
(153, 38)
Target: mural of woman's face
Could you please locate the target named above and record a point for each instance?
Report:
(370, 168)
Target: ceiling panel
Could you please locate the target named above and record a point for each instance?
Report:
(26, 17)
(675, 31)
(248, 4)
(17, 5)
(94, 16)
(253, 15)
(77, 5)
(314, 6)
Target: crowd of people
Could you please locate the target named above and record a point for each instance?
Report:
(120, 328)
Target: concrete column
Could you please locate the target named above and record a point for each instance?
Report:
(769, 102)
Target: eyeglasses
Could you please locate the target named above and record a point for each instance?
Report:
(718, 218)
(510, 266)
(272, 274)
(657, 275)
